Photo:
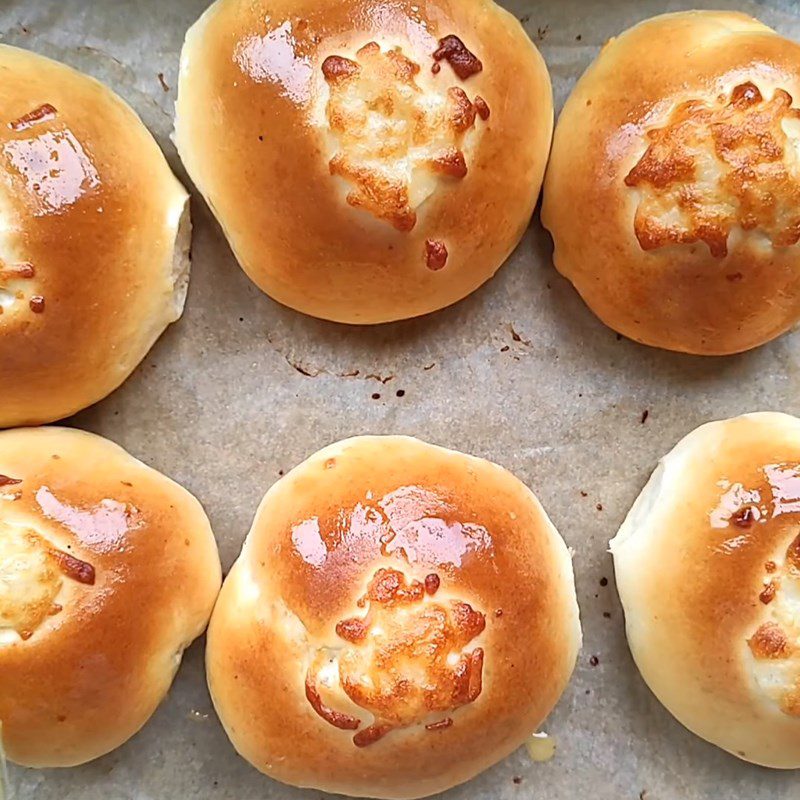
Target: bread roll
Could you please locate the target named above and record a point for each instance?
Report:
(673, 191)
(108, 571)
(368, 161)
(94, 240)
(401, 617)
(708, 569)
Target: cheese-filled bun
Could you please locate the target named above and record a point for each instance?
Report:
(94, 240)
(400, 618)
(708, 569)
(673, 191)
(108, 571)
(368, 160)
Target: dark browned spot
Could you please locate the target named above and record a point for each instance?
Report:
(770, 567)
(482, 107)
(41, 114)
(432, 584)
(450, 163)
(440, 725)
(74, 568)
(22, 270)
(746, 95)
(371, 734)
(455, 52)
(475, 673)
(352, 630)
(498, 612)
(37, 304)
(436, 68)
(6, 481)
(337, 68)
(435, 254)
(735, 277)
(330, 715)
(769, 642)
(768, 594)
(462, 111)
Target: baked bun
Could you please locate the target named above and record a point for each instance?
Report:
(368, 161)
(673, 191)
(401, 617)
(108, 571)
(94, 240)
(708, 569)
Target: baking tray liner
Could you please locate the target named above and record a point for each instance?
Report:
(242, 389)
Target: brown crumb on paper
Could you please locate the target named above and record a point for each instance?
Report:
(517, 337)
(162, 81)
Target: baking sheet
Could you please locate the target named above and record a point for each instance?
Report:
(521, 372)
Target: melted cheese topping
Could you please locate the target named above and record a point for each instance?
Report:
(406, 661)
(394, 141)
(30, 580)
(715, 167)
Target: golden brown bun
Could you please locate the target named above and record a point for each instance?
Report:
(708, 569)
(94, 240)
(415, 597)
(353, 182)
(673, 191)
(108, 571)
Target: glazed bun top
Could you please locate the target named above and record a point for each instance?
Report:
(94, 240)
(708, 569)
(108, 570)
(401, 617)
(679, 152)
(368, 160)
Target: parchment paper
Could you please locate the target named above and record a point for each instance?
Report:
(521, 372)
